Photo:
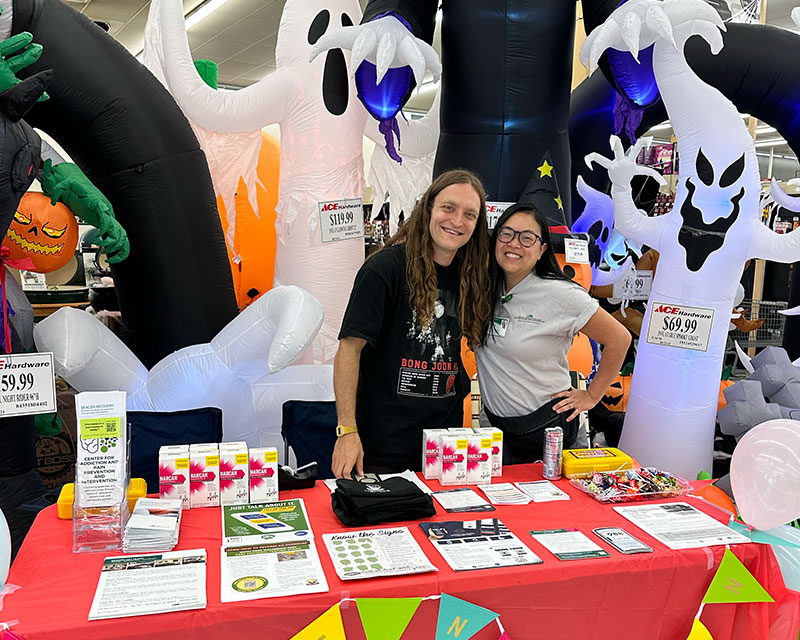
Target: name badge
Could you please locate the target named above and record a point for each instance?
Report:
(500, 326)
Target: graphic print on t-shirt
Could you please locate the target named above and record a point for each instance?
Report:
(430, 367)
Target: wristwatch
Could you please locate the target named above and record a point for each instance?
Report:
(342, 430)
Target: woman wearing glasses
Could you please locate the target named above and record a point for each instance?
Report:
(522, 363)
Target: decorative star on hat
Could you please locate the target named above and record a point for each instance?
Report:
(542, 192)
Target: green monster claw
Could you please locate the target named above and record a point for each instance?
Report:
(66, 183)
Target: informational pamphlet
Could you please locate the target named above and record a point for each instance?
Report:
(408, 475)
(154, 525)
(478, 544)
(376, 552)
(542, 490)
(504, 493)
(265, 522)
(100, 479)
(679, 525)
(270, 571)
(461, 500)
(152, 583)
(568, 544)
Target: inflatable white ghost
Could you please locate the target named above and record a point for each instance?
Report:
(322, 127)
(704, 241)
(242, 371)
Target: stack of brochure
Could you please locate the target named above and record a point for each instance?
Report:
(153, 525)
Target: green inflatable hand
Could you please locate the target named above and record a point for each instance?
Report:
(16, 53)
(66, 183)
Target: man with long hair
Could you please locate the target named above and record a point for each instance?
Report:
(398, 368)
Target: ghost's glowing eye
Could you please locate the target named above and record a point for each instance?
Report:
(52, 232)
(21, 218)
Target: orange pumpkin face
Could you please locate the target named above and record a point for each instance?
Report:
(616, 396)
(41, 235)
(580, 273)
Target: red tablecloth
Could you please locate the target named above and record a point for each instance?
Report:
(653, 596)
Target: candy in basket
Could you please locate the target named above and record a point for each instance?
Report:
(630, 484)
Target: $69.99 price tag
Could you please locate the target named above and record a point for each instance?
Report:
(680, 326)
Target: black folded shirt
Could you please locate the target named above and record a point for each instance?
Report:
(394, 499)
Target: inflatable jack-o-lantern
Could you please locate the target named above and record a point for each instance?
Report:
(616, 396)
(42, 237)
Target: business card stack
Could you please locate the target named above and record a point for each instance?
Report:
(153, 525)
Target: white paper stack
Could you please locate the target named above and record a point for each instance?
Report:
(153, 525)
(504, 493)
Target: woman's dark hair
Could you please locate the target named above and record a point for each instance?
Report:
(546, 267)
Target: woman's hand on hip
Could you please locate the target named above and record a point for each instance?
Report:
(574, 400)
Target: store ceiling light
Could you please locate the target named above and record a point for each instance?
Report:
(770, 143)
(203, 11)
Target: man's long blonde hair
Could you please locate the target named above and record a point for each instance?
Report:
(471, 259)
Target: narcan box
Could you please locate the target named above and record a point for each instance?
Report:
(263, 474)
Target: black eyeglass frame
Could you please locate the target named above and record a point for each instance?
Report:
(515, 234)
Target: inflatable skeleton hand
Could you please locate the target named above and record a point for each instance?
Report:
(622, 167)
(16, 53)
(65, 182)
(384, 42)
(637, 24)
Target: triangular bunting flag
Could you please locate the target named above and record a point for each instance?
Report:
(460, 620)
(761, 536)
(699, 632)
(386, 618)
(328, 626)
(734, 583)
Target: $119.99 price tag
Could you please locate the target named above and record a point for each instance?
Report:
(27, 384)
(680, 326)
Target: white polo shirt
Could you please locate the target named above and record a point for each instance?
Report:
(520, 370)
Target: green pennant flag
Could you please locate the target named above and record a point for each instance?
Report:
(386, 618)
(734, 583)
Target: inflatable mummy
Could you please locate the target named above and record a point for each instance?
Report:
(713, 228)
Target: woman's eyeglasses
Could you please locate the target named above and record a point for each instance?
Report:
(526, 238)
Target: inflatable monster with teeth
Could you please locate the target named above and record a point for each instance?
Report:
(704, 241)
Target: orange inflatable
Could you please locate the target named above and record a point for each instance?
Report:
(255, 236)
(580, 273)
(716, 496)
(42, 237)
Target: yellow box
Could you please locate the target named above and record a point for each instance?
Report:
(588, 460)
(136, 489)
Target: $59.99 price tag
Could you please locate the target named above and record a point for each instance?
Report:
(27, 384)
(680, 326)
(635, 286)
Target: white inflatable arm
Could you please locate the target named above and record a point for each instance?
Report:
(637, 24)
(630, 221)
(87, 354)
(385, 42)
(282, 322)
(248, 109)
(782, 198)
(777, 247)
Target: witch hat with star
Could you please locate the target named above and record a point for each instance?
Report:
(542, 193)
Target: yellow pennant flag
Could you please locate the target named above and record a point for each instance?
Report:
(699, 632)
(734, 583)
(328, 626)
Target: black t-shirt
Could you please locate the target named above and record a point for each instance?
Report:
(410, 377)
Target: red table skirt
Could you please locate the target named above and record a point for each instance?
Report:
(653, 596)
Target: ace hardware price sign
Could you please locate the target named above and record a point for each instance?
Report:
(635, 286)
(673, 325)
(27, 384)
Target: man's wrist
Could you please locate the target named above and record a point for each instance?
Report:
(343, 430)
